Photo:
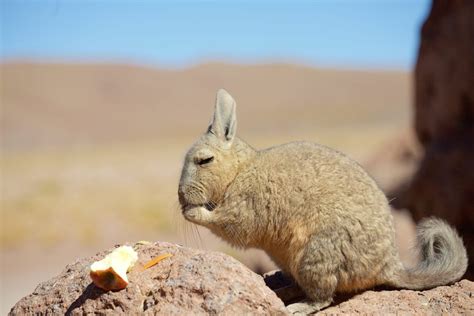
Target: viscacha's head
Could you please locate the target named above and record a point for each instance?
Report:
(211, 163)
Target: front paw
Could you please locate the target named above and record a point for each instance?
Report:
(198, 215)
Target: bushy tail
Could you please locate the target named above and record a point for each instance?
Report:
(443, 257)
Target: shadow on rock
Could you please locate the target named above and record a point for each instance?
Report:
(91, 292)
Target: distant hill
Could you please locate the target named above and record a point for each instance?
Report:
(47, 104)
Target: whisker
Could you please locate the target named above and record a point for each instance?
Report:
(179, 223)
(196, 232)
(185, 228)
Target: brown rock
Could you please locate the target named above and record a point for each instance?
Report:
(444, 74)
(284, 286)
(443, 185)
(457, 299)
(200, 282)
(190, 282)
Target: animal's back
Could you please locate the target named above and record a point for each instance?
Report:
(318, 180)
(310, 189)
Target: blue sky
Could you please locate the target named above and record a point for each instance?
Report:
(329, 33)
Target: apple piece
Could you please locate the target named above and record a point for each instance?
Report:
(110, 273)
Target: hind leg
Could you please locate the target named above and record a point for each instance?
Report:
(320, 294)
(317, 276)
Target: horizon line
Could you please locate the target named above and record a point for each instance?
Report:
(204, 62)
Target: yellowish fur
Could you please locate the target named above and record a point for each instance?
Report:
(315, 211)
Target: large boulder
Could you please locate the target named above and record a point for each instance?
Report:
(190, 282)
(444, 73)
(443, 185)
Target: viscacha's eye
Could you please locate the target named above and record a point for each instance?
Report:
(205, 161)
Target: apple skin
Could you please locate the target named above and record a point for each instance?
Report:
(108, 280)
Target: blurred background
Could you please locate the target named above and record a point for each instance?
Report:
(101, 99)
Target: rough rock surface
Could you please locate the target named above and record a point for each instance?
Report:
(190, 282)
(200, 282)
(443, 185)
(457, 299)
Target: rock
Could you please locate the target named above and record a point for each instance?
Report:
(284, 287)
(202, 282)
(444, 73)
(443, 184)
(190, 282)
(457, 299)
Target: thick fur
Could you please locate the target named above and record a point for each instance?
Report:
(316, 213)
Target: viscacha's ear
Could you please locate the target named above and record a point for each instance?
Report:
(224, 122)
